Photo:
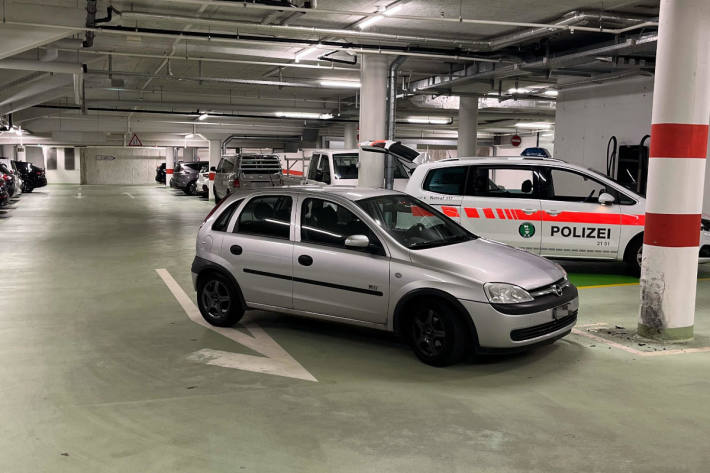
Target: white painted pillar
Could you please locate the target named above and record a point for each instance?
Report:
(373, 117)
(468, 126)
(169, 164)
(350, 135)
(215, 156)
(679, 136)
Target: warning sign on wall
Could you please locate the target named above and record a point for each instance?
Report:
(135, 141)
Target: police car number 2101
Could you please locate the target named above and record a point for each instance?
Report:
(596, 233)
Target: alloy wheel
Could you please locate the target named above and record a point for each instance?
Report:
(429, 332)
(216, 299)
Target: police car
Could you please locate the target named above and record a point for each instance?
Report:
(542, 205)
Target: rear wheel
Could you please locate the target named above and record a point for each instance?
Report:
(219, 300)
(436, 333)
(191, 188)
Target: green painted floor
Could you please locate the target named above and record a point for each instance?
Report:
(95, 375)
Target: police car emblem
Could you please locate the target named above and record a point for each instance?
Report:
(526, 230)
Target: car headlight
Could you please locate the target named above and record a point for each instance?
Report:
(502, 293)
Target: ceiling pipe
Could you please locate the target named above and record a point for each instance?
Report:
(441, 19)
(313, 31)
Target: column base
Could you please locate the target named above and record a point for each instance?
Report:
(673, 335)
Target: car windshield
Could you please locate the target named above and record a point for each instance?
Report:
(413, 223)
(346, 165)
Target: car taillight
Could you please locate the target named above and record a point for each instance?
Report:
(39, 173)
(214, 209)
(6, 177)
(236, 183)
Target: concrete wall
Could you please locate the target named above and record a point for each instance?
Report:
(61, 175)
(129, 166)
(587, 117)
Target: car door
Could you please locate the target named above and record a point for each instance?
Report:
(575, 224)
(502, 204)
(259, 250)
(224, 168)
(443, 188)
(332, 279)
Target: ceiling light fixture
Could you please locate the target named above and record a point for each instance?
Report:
(551, 93)
(534, 125)
(430, 121)
(300, 55)
(204, 116)
(374, 19)
(305, 115)
(346, 84)
(520, 91)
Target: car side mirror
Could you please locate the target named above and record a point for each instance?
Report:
(606, 199)
(213, 169)
(357, 241)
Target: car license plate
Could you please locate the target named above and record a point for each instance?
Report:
(561, 311)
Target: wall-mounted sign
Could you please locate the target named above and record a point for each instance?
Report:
(135, 141)
(105, 157)
(516, 140)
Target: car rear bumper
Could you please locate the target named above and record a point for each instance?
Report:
(509, 332)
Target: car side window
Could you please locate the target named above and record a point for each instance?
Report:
(327, 223)
(313, 167)
(506, 182)
(570, 186)
(268, 216)
(227, 166)
(222, 222)
(448, 180)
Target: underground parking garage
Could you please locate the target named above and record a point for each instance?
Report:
(349, 236)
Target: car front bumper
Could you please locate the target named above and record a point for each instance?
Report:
(499, 332)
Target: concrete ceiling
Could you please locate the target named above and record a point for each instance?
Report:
(152, 68)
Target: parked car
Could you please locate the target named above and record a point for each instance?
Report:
(203, 182)
(185, 176)
(244, 172)
(7, 175)
(32, 176)
(4, 194)
(380, 259)
(160, 174)
(544, 206)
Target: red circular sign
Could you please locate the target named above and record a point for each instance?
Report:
(516, 140)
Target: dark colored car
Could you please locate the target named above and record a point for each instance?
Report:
(185, 176)
(32, 176)
(160, 174)
(4, 194)
(8, 177)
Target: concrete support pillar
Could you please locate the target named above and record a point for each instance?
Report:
(373, 117)
(468, 126)
(169, 164)
(679, 136)
(215, 156)
(350, 135)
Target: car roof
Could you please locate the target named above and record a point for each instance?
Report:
(506, 160)
(351, 193)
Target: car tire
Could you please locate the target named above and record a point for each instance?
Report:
(436, 333)
(191, 188)
(28, 189)
(632, 256)
(218, 300)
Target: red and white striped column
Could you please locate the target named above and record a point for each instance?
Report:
(679, 138)
(169, 164)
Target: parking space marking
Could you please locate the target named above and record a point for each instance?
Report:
(275, 360)
(597, 338)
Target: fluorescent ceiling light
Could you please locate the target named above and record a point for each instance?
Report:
(300, 55)
(374, 19)
(534, 125)
(551, 93)
(429, 121)
(519, 91)
(348, 84)
(204, 116)
(306, 115)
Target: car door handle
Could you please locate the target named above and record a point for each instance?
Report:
(553, 212)
(529, 211)
(235, 250)
(305, 260)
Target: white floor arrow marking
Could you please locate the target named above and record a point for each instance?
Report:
(129, 195)
(276, 360)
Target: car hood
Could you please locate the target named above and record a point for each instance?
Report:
(488, 261)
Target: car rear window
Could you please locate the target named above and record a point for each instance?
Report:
(448, 180)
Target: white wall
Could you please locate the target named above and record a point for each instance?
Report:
(61, 175)
(130, 166)
(587, 117)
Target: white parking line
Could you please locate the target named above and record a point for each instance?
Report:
(276, 360)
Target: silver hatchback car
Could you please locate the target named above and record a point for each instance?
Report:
(380, 259)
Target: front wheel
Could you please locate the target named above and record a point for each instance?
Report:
(219, 300)
(634, 256)
(437, 334)
(191, 188)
